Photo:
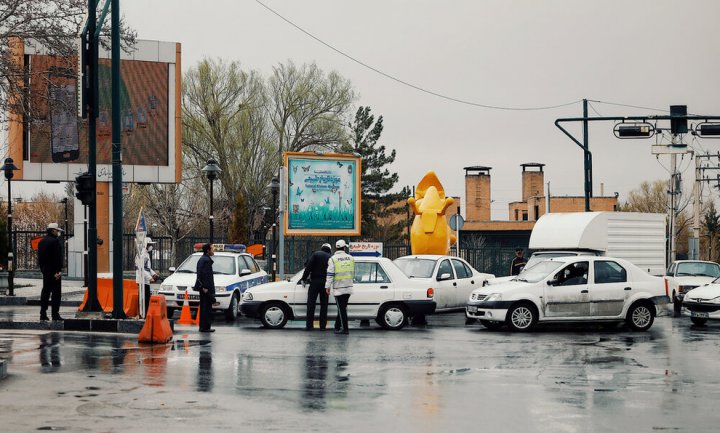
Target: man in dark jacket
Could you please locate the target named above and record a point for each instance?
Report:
(50, 259)
(316, 271)
(518, 263)
(206, 286)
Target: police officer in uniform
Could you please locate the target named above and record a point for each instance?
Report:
(340, 272)
(50, 259)
(316, 271)
(206, 286)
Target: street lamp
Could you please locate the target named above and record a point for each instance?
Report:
(275, 189)
(8, 168)
(212, 170)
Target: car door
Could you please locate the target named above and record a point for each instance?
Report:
(609, 290)
(371, 287)
(568, 295)
(466, 283)
(445, 288)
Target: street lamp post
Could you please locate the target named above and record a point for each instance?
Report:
(212, 170)
(274, 188)
(8, 168)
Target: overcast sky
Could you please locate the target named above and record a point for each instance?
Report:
(505, 53)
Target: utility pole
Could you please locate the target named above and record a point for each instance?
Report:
(694, 247)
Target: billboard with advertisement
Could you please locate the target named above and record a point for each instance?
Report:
(323, 194)
(54, 146)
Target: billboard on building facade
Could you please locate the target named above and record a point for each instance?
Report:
(323, 194)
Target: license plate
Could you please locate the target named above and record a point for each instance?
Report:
(699, 314)
(190, 297)
(472, 309)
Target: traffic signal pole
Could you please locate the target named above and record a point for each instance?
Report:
(118, 310)
(90, 66)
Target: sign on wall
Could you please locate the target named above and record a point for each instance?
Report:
(323, 194)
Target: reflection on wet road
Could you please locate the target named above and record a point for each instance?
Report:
(444, 377)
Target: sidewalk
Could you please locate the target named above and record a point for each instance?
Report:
(27, 292)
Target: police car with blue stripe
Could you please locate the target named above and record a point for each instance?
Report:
(235, 271)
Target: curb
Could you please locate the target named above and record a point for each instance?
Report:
(122, 326)
(13, 300)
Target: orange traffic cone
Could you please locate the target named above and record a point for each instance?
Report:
(197, 316)
(185, 316)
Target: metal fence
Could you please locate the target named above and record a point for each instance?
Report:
(494, 260)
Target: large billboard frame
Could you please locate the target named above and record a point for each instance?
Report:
(324, 194)
(144, 51)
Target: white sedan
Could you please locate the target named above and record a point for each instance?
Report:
(381, 292)
(572, 289)
(685, 275)
(452, 278)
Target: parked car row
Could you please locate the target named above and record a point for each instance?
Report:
(556, 289)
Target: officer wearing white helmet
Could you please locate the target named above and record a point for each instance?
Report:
(340, 273)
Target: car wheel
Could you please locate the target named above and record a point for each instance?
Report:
(274, 316)
(491, 325)
(640, 317)
(392, 317)
(522, 317)
(170, 312)
(231, 313)
(699, 321)
(677, 304)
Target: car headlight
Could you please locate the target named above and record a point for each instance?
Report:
(494, 297)
(166, 287)
(220, 289)
(685, 289)
(247, 296)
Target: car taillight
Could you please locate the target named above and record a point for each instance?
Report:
(667, 291)
(430, 292)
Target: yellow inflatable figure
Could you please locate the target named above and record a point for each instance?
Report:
(430, 233)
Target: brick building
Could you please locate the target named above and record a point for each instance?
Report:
(515, 231)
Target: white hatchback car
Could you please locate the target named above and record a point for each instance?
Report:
(233, 271)
(572, 289)
(703, 303)
(452, 278)
(381, 292)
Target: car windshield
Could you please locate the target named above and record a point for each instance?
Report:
(538, 272)
(416, 268)
(223, 265)
(539, 257)
(699, 269)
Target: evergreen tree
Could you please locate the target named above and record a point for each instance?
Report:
(239, 225)
(381, 210)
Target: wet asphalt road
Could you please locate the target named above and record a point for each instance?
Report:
(442, 377)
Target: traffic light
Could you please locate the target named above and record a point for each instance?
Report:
(708, 130)
(85, 187)
(634, 130)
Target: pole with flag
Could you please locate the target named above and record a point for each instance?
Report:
(140, 234)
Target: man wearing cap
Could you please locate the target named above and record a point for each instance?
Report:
(316, 270)
(340, 273)
(50, 259)
(144, 266)
(518, 263)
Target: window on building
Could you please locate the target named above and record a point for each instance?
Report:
(525, 215)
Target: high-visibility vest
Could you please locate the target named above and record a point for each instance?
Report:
(344, 269)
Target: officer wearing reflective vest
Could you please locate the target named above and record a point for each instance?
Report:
(340, 273)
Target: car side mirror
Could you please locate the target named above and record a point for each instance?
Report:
(553, 282)
(171, 269)
(245, 272)
(443, 277)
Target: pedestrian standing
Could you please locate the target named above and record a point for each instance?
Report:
(144, 266)
(50, 259)
(518, 263)
(205, 284)
(340, 273)
(316, 272)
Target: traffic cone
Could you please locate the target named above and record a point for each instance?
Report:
(185, 316)
(197, 317)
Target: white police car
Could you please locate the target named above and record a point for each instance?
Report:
(234, 271)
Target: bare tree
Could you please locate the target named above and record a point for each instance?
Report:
(307, 107)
